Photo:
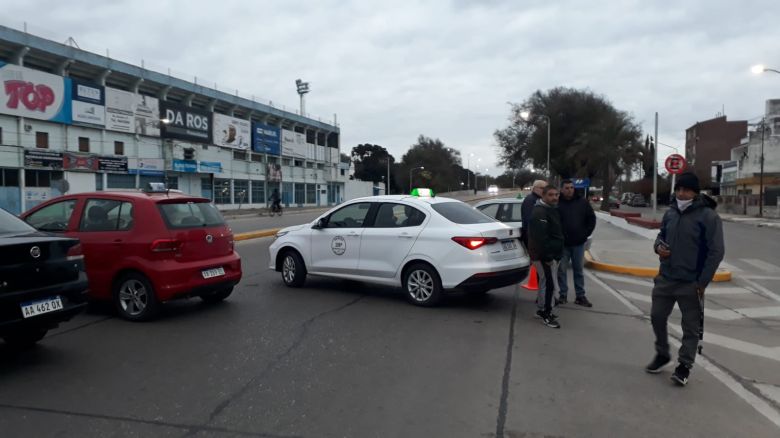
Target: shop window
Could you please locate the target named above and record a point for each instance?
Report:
(99, 182)
(311, 193)
(120, 181)
(83, 144)
(42, 140)
(9, 177)
(119, 148)
(40, 178)
(258, 192)
(221, 191)
(206, 188)
(240, 191)
(300, 190)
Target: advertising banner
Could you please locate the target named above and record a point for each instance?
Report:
(34, 94)
(266, 139)
(112, 164)
(232, 132)
(147, 115)
(146, 166)
(273, 172)
(187, 166)
(88, 103)
(42, 158)
(80, 162)
(185, 123)
(210, 167)
(120, 110)
(293, 144)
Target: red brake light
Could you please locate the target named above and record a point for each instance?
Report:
(165, 245)
(474, 242)
(75, 253)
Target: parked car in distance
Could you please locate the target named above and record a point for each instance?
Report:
(625, 198)
(143, 248)
(493, 189)
(614, 202)
(506, 210)
(638, 201)
(42, 281)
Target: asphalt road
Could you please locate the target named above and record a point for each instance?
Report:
(346, 359)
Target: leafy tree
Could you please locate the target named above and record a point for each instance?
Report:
(518, 178)
(443, 171)
(371, 162)
(588, 136)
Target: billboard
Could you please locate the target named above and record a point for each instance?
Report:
(187, 166)
(147, 115)
(231, 132)
(112, 164)
(34, 94)
(146, 166)
(42, 158)
(88, 104)
(80, 162)
(185, 123)
(273, 172)
(294, 144)
(210, 167)
(120, 110)
(266, 139)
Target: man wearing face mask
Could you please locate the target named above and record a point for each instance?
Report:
(690, 247)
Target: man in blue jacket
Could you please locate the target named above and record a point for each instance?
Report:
(690, 247)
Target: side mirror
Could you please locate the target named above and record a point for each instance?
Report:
(321, 223)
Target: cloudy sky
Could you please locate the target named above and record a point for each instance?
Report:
(445, 69)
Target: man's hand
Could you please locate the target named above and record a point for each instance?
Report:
(663, 252)
(700, 291)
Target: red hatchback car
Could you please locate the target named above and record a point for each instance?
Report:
(144, 248)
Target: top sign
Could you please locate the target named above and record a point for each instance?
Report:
(675, 164)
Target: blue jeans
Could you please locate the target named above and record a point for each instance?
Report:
(573, 256)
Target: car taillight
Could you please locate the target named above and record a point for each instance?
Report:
(75, 253)
(474, 242)
(166, 245)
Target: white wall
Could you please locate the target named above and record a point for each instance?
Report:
(358, 189)
(80, 181)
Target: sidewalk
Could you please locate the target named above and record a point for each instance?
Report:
(726, 217)
(620, 247)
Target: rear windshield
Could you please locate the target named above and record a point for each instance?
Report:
(461, 213)
(10, 224)
(191, 215)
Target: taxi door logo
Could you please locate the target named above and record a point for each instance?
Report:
(338, 245)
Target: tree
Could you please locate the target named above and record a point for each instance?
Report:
(648, 156)
(588, 137)
(443, 171)
(371, 162)
(518, 178)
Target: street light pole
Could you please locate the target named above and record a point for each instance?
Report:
(761, 172)
(410, 176)
(655, 168)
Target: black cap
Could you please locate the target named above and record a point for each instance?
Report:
(689, 180)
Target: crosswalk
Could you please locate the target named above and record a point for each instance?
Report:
(745, 265)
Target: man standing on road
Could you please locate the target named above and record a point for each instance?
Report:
(690, 246)
(578, 221)
(545, 246)
(527, 208)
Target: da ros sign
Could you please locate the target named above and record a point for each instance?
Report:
(675, 164)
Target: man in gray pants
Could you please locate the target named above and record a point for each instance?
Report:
(690, 246)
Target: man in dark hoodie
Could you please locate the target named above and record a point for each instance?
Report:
(545, 246)
(690, 246)
(579, 221)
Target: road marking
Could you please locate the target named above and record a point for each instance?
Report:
(711, 290)
(769, 391)
(622, 279)
(719, 314)
(762, 265)
(761, 289)
(728, 290)
(756, 402)
(729, 267)
(760, 277)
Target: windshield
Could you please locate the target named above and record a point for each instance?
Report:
(461, 213)
(191, 215)
(10, 224)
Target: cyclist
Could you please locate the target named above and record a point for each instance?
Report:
(275, 201)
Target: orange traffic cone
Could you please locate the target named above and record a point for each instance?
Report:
(533, 281)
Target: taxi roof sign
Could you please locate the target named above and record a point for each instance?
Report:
(423, 193)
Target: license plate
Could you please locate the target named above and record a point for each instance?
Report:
(509, 245)
(211, 273)
(33, 308)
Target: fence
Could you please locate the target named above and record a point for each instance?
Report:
(748, 205)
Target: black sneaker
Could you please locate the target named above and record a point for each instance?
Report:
(680, 376)
(583, 301)
(561, 300)
(540, 314)
(551, 321)
(657, 364)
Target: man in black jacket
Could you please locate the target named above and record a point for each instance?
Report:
(528, 206)
(545, 246)
(690, 246)
(579, 221)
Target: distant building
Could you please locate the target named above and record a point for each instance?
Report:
(711, 140)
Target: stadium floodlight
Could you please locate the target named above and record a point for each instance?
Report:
(303, 88)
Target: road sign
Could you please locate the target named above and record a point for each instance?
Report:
(675, 164)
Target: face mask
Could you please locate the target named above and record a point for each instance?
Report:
(682, 205)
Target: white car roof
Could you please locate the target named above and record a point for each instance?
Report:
(407, 198)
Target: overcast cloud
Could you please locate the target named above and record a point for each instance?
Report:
(445, 69)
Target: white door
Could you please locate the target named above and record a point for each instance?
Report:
(335, 249)
(387, 242)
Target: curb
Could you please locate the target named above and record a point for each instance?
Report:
(255, 234)
(640, 271)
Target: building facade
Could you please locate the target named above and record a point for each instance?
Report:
(73, 121)
(708, 141)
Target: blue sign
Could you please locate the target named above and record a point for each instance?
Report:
(187, 166)
(210, 167)
(581, 183)
(266, 139)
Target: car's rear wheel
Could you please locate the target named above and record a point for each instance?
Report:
(293, 269)
(215, 297)
(422, 285)
(24, 339)
(135, 298)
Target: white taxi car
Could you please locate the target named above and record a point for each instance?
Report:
(426, 245)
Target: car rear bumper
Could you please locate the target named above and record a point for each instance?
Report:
(493, 280)
(74, 299)
(180, 280)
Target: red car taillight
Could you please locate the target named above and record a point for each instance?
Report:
(474, 242)
(75, 253)
(166, 245)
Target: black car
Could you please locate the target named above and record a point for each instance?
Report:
(42, 281)
(638, 201)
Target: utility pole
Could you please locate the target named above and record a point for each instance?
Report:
(655, 168)
(761, 174)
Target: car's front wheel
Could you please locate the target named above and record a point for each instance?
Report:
(24, 339)
(293, 269)
(135, 298)
(422, 285)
